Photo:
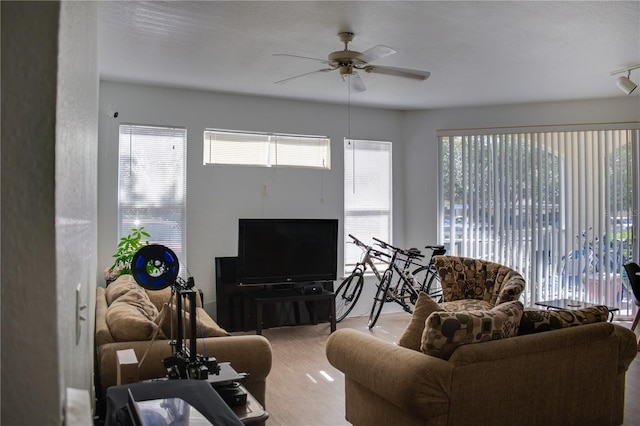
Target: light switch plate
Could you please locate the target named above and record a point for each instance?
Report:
(79, 317)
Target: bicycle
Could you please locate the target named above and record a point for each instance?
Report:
(406, 290)
(595, 258)
(425, 277)
(349, 291)
(594, 255)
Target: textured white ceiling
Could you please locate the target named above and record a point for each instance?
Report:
(478, 53)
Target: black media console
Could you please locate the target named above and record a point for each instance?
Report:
(255, 307)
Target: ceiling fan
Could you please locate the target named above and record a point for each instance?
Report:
(347, 62)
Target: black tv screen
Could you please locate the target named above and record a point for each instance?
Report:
(287, 250)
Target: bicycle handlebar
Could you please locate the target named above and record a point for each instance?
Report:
(409, 253)
(371, 250)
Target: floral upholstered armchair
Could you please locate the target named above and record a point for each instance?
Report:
(475, 284)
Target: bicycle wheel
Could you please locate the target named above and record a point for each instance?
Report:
(428, 281)
(348, 294)
(379, 299)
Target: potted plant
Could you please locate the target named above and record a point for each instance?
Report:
(127, 247)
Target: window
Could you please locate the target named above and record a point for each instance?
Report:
(367, 194)
(267, 150)
(152, 184)
(561, 207)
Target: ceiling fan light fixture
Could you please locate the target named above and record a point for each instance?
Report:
(346, 70)
(626, 85)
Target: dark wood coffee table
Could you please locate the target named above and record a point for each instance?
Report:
(574, 304)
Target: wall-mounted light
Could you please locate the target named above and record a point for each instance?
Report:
(624, 83)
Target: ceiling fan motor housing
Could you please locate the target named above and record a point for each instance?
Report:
(346, 57)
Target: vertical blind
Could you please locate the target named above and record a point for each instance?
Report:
(367, 194)
(152, 184)
(267, 150)
(561, 207)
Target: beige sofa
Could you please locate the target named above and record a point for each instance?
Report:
(247, 354)
(568, 376)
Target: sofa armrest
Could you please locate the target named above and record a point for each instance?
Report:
(409, 379)
(627, 346)
(247, 354)
(103, 334)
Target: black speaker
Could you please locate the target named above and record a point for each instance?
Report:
(226, 270)
(229, 297)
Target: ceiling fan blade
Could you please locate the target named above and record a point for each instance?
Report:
(376, 52)
(302, 75)
(302, 57)
(354, 82)
(398, 72)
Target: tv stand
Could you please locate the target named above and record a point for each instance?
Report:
(237, 309)
(270, 295)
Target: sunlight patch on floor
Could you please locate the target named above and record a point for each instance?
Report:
(326, 376)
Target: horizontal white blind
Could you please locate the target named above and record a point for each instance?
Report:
(152, 184)
(367, 194)
(302, 151)
(559, 206)
(267, 150)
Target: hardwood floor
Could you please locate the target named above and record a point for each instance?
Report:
(303, 389)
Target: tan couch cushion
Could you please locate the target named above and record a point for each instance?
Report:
(124, 284)
(130, 321)
(130, 315)
(160, 297)
(205, 325)
(445, 331)
(412, 335)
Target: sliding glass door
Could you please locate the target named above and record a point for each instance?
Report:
(559, 205)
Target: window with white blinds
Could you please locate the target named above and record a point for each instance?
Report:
(367, 194)
(267, 150)
(561, 207)
(152, 184)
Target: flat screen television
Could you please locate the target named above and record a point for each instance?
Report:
(272, 251)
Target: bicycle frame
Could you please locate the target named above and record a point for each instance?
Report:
(367, 259)
(405, 282)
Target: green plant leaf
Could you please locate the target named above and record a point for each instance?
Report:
(127, 248)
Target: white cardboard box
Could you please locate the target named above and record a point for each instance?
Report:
(127, 367)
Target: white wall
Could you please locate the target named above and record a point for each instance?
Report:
(49, 146)
(76, 189)
(217, 196)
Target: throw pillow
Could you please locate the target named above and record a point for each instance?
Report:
(129, 322)
(539, 320)
(205, 326)
(124, 284)
(446, 331)
(141, 301)
(411, 336)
